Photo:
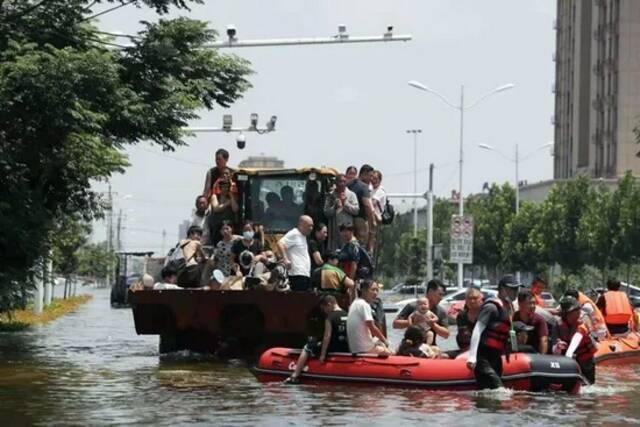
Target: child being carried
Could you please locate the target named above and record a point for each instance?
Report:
(424, 318)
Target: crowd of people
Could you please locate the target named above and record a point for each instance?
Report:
(301, 260)
(218, 252)
(515, 321)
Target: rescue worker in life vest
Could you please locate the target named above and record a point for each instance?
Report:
(493, 335)
(614, 304)
(573, 338)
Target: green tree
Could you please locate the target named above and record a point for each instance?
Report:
(68, 236)
(520, 250)
(491, 213)
(598, 229)
(71, 102)
(627, 201)
(95, 260)
(557, 231)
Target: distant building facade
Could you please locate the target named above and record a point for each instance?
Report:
(597, 88)
(261, 162)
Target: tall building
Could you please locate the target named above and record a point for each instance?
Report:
(597, 89)
(261, 162)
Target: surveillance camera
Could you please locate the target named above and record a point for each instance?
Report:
(241, 141)
(271, 124)
(231, 31)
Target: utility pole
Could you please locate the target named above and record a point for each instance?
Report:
(118, 230)
(430, 225)
(164, 240)
(109, 234)
(415, 133)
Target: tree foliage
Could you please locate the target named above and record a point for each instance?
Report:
(492, 212)
(580, 226)
(521, 250)
(71, 101)
(94, 260)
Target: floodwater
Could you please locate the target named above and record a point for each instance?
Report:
(90, 367)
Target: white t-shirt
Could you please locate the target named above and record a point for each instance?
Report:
(295, 246)
(358, 333)
(379, 199)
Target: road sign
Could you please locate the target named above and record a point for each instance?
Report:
(461, 239)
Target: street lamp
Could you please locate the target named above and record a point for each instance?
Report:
(516, 159)
(415, 133)
(461, 107)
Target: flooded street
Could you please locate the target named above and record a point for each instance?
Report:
(90, 367)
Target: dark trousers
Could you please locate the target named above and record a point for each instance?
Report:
(488, 369)
(588, 370)
(299, 283)
(189, 277)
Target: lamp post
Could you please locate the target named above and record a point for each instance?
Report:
(415, 133)
(516, 160)
(461, 107)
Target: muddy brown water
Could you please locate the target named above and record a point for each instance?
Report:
(90, 367)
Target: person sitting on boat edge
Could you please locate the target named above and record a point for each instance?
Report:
(572, 338)
(539, 336)
(434, 293)
(413, 344)
(491, 336)
(334, 339)
(616, 308)
(363, 334)
(330, 277)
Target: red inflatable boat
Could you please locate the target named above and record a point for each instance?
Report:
(531, 372)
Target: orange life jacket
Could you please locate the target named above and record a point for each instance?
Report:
(539, 301)
(583, 299)
(618, 310)
(586, 349)
(496, 335)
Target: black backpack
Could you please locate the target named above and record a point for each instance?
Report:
(388, 213)
(365, 267)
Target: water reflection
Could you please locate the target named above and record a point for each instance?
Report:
(91, 368)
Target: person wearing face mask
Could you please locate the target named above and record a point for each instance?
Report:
(247, 243)
(493, 335)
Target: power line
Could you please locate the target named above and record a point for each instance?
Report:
(179, 159)
(107, 11)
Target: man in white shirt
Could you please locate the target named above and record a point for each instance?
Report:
(169, 278)
(362, 332)
(295, 253)
(199, 217)
(379, 200)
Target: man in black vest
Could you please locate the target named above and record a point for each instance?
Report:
(333, 341)
(492, 335)
(222, 157)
